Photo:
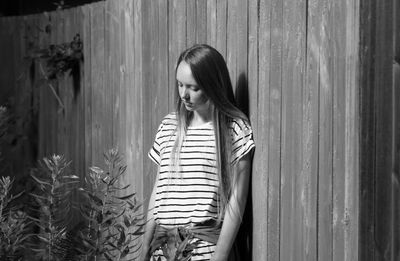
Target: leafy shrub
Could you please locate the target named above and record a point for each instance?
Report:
(14, 224)
(111, 226)
(113, 222)
(54, 208)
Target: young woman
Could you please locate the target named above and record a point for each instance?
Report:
(203, 151)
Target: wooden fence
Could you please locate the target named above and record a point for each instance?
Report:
(294, 67)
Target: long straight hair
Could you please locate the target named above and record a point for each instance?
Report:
(210, 72)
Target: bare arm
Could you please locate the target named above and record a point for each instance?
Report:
(149, 229)
(234, 211)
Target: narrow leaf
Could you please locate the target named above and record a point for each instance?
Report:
(96, 200)
(125, 252)
(40, 181)
(126, 197)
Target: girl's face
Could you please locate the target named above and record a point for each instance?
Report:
(193, 97)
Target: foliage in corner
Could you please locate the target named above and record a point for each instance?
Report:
(114, 223)
(14, 224)
(54, 208)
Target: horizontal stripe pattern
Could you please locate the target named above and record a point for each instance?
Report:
(188, 193)
(203, 252)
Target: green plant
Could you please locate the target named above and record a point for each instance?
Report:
(54, 211)
(14, 224)
(59, 59)
(114, 223)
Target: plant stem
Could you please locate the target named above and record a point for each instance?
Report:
(1, 208)
(51, 236)
(51, 86)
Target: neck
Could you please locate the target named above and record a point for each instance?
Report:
(200, 117)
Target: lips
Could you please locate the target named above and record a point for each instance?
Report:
(187, 103)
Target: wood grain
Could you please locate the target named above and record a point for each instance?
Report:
(296, 69)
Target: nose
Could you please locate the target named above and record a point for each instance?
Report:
(185, 94)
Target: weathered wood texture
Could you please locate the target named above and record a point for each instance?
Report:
(396, 134)
(379, 143)
(294, 67)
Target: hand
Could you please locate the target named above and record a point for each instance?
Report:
(218, 257)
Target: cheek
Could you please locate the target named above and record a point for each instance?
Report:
(180, 91)
(201, 98)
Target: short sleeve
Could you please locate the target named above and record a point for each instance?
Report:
(155, 151)
(242, 139)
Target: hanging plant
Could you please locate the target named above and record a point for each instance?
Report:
(60, 59)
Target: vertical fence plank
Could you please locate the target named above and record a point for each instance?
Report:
(201, 21)
(7, 77)
(27, 35)
(58, 113)
(100, 96)
(309, 173)
(191, 25)
(292, 126)
(240, 78)
(236, 48)
(8, 81)
(147, 121)
(232, 40)
(43, 127)
(396, 134)
(352, 187)
(340, 215)
(396, 148)
(177, 40)
(113, 55)
(158, 101)
(87, 85)
(367, 144)
(274, 138)
(157, 96)
(79, 96)
(222, 14)
(253, 60)
(150, 107)
(127, 123)
(132, 93)
(164, 65)
(212, 22)
(253, 70)
(137, 147)
(325, 155)
(6, 89)
(260, 164)
(52, 104)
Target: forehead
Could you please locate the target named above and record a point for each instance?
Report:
(184, 74)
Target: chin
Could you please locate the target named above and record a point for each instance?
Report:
(189, 108)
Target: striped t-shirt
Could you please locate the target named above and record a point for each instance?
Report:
(187, 194)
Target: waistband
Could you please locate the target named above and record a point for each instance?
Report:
(180, 237)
